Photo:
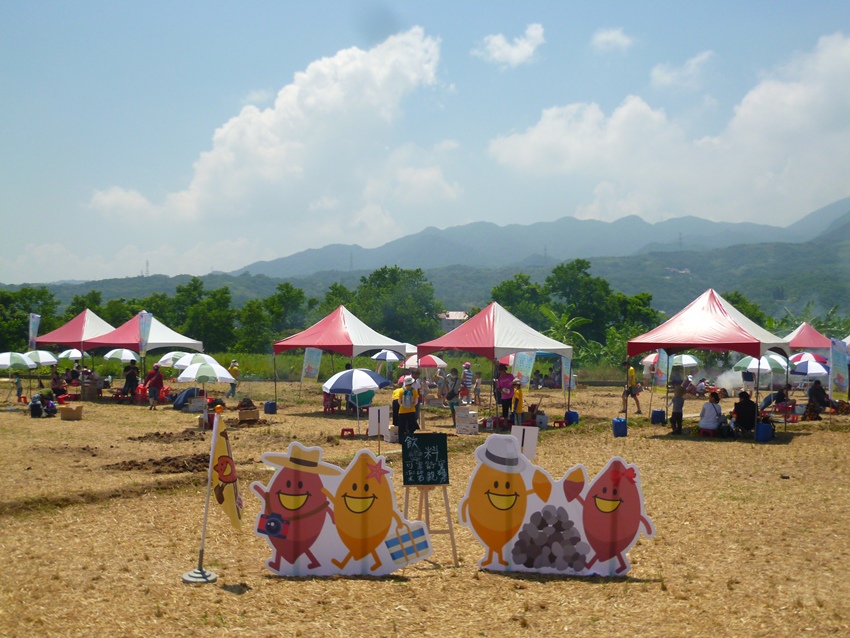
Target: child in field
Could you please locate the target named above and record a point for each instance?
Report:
(18, 387)
(678, 403)
(517, 404)
(476, 388)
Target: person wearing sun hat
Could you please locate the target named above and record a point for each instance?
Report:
(407, 400)
(234, 372)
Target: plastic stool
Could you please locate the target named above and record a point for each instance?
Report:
(559, 424)
(347, 433)
(22, 399)
(712, 434)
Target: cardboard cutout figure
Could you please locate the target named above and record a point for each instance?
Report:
(579, 529)
(321, 521)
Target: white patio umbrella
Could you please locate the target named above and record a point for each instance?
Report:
(387, 355)
(169, 359)
(42, 357)
(807, 356)
(428, 361)
(184, 362)
(204, 372)
(73, 354)
(811, 369)
(681, 360)
(16, 361)
(769, 363)
(122, 354)
(355, 381)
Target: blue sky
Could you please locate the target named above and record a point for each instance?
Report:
(200, 136)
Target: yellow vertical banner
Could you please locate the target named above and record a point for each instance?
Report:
(225, 484)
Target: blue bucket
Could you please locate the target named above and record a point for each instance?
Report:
(764, 432)
(620, 427)
(571, 417)
(270, 407)
(658, 417)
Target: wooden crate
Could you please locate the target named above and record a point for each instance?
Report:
(249, 415)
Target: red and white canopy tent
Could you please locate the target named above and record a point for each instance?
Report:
(341, 332)
(806, 337)
(493, 333)
(709, 322)
(161, 336)
(77, 332)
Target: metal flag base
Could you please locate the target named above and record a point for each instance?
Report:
(199, 576)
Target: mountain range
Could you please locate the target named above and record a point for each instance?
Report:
(486, 245)
(674, 260)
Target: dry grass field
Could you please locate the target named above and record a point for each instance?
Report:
(99, 518)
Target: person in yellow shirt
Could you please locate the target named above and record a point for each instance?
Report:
(517, 403)
(407, 400)
(631, 389)
(234, 372)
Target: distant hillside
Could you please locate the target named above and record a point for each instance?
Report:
(486, 245)
(773, 273)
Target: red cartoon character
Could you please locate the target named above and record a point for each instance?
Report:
(612, 511)
(295, 506)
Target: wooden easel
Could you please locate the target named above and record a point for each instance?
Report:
(424, 503)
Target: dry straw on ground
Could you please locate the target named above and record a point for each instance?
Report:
(99, 519)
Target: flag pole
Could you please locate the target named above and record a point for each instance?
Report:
(199, 575)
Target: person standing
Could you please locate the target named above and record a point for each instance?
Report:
(407, 402)
(19, 389)
(131, 380)
(476, 389)
(505, 390)
(517, 403)
(631, 389)
(154, 382)
(678, 404)
(466, 383)
(234, 372)
(453, 394)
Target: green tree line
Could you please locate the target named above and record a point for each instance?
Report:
(571, 305)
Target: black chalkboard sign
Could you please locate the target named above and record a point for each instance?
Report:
(425, 459)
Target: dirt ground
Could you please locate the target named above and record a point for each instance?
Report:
(99, 519)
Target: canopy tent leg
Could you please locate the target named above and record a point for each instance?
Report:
(274, 365)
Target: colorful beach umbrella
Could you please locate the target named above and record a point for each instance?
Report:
(807, 356)
(16, 361)
(428, 361)
(355, 381)
(122, 354)
(769, 363)
(811, 369)
(42, 357)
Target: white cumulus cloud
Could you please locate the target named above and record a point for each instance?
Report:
(497, 49)
(326, 132)
(689, 75)
(606, 40)
(783, 151)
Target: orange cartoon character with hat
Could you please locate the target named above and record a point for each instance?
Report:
(497, 497)
(294, 504)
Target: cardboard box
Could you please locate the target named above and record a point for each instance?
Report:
(71, 413)
(196, 404)
(392, 435)
(463, 428)
(249, 415)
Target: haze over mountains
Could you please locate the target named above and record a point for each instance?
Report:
(486, 245)
(675, 261)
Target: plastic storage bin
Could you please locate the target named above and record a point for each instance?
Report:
(270, 407)
(658, 417)
(620, 427)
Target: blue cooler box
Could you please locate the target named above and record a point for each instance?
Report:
(571, 417)
(620, 427)
(764, 432)
(270, 407)
(658, 417)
